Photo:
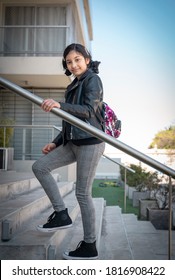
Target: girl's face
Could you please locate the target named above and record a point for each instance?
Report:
(76, 63)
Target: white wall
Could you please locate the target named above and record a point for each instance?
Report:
(166, 157)
(106, 168)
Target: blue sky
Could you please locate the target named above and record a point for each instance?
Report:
(135, 42)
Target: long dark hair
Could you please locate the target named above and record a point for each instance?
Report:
(93, 65)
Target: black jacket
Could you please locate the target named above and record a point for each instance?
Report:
(83, 98)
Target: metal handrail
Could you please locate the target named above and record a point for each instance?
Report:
(91, 129)
(129, 169)
(24, 127)
(46, 126)
(99, 134)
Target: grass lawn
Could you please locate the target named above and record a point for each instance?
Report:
(113, 195)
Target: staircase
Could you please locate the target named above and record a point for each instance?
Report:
(23, 205)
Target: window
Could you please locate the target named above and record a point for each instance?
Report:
(34, 30)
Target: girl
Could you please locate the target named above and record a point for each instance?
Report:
(83, 98)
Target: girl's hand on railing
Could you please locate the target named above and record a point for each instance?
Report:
(48, 148)
(49, 104)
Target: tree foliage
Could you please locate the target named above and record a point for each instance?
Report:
(8, 131)
(141, 179)
(164, 139)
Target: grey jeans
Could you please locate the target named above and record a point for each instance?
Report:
(87, 158)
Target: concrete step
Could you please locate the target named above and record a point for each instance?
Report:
(9, 176)
(10, 186)
(124, 237)
(76, 233)
(14, 213)
(146, 242)
(114, 243)
(31, 244)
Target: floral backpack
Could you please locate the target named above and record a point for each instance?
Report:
(110, 122)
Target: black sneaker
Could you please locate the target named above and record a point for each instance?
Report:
(57, 220)
(84, 251)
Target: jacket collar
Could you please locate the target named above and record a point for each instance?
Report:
(76, 81)
(88, 71)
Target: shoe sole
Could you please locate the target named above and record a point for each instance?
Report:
(41, 229)
(67, 257)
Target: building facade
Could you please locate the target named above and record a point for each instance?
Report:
(33, 36)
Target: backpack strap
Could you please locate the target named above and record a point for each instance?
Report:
(100, 115)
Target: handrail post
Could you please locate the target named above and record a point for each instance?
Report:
(52, 132)
(23, 143)
(170, 221)
(125, 192)
(4, 137)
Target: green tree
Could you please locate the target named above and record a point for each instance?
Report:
(5, 139)
(164, 139)
(141, 179)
